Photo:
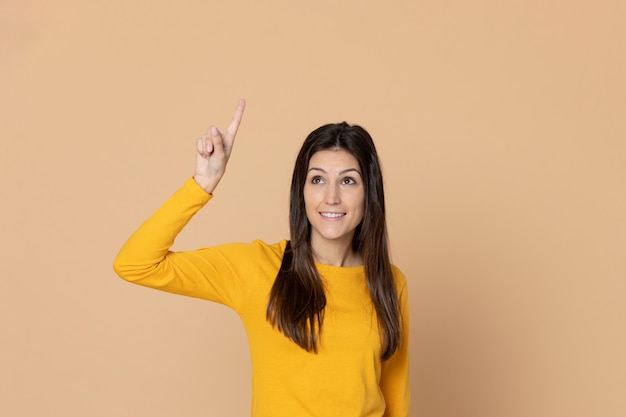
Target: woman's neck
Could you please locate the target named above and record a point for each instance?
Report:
(336, 253)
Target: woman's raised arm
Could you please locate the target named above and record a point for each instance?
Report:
(145, 257)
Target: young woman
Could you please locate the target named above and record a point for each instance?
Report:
(326, 313)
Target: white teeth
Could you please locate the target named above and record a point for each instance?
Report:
(332, 215)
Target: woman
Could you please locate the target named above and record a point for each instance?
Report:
(326, 313)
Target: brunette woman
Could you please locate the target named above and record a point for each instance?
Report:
(326, 313)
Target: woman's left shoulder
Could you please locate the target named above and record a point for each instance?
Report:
(398, 276)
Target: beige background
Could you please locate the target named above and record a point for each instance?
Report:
(502, 130)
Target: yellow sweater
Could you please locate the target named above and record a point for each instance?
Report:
(345, 377)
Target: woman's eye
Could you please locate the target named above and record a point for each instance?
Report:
(349, 181)
(316, 180)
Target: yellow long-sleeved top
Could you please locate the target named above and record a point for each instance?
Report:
(345, 377)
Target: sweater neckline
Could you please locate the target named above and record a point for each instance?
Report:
(339, 270)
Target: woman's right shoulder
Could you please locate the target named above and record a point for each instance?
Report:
(257, 260)
(276, 249)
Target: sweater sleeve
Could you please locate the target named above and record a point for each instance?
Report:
(213, 274)
(395, 372)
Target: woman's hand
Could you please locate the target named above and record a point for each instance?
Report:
(214, 150)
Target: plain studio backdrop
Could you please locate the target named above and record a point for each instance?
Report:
(501, 126)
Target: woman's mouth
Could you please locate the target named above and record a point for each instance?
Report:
(331, 215)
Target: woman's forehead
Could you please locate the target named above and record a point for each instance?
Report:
(333, 160)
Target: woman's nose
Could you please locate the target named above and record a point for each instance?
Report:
(333, 195)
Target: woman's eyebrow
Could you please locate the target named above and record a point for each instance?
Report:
(345, 171)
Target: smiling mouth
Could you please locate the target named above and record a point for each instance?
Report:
(332, 215)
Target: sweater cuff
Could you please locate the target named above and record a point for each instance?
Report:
(195, 191)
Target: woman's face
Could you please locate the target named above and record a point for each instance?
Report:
(334, 196)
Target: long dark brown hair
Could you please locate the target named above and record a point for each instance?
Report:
(297, 300)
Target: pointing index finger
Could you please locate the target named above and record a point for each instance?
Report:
(234, 123)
